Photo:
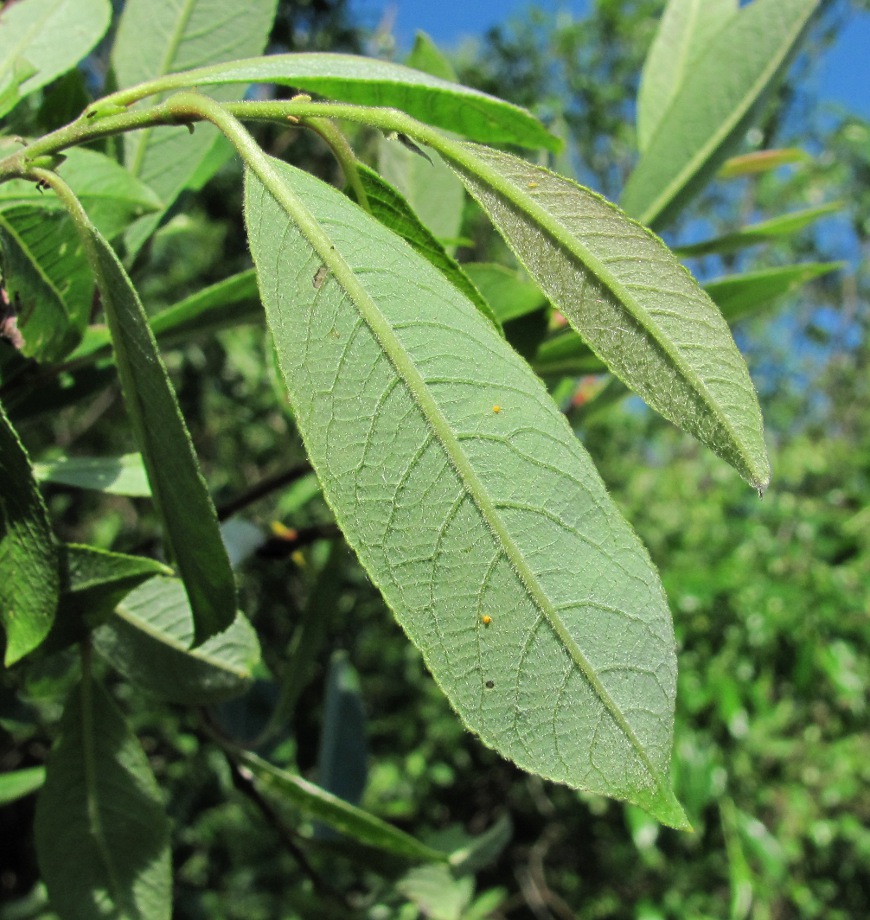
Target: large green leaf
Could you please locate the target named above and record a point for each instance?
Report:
(636, 306)
(711, 109)
(178, 489)
(29, 579)
(157, 37)
(49, 36)
(102, 834)
(149, 639)
(685, 29)
(374, 83)
(110, 195)
(467, 497)
(355, 823)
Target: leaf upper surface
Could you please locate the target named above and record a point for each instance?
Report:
(466, 495)
(711, 110)
(632, 301)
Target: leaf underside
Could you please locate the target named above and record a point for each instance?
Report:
(466, 496)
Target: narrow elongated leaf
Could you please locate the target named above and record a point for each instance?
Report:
(29, 579)
(468, 499)
(50, 36)
(19, 783)
(347, 819)
(102, 835)
(761, 161)
(110, 195)
(178, 489)
(378, 83)
(391, 209)
(149, 639)
(775, 228)
(739, 296)
(157, 37)
(684, 31)
(635, 305)
(509, 295)
(124, 475)
(712, 109)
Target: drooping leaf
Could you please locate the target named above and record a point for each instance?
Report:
(124, 475)
(349, 820)
(739, 296)
(149, 641)
(685, 29)
(46, 276)
(376, 83)
(19, 783)
(635, 305)
(712, 109)
(178, 489)
(102, 834)
(752, 235)
(29, 580)
(509, 295)
(49, 36)
(157, 37)
(391, 209)
(467, 498)
(110, 195)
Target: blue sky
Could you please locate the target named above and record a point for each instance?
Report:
(844, 77)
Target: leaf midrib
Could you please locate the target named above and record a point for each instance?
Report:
(409, 374)
(672, 189)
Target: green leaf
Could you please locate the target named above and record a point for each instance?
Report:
(436, 893)
(179, 492)
(102, 834)
(739, 296)
(566, 355)
(20, 783)
(761, 161)
(29, 580)
(776, 227)
(427, 56)
(45, 273)
(50, 36)
(124, 475)
(686, 27)
(712, 108)
(634, 304)
(509, 295)
(391, 209)
(157, 37)
(429, 187)
(366, 81)
(349, 820)
(465, 494)
(149, 639)
(93, 582)
(110, 195)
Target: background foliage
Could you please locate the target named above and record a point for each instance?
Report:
(770, 600)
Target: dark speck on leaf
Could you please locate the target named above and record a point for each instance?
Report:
(490, 684)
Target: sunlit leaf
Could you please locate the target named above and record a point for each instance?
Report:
(761, 161)
(124, 475)
(467, 498)
(635, 305)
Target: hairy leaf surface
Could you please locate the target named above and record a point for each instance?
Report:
(636, 306)
(102, 835)
(29, 579)
(711, 110)
(467, 497)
